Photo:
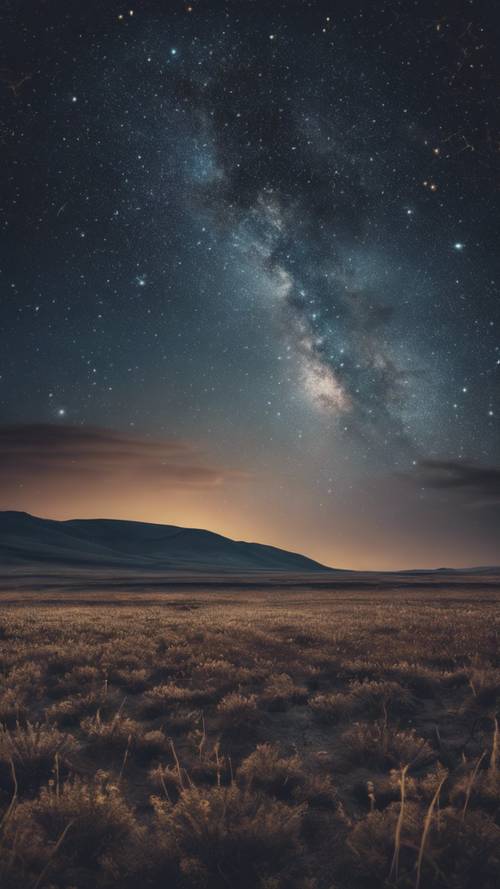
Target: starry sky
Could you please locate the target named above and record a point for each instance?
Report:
(249, 271)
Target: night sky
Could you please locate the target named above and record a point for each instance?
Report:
(250, 271)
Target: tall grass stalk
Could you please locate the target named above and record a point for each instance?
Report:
(12, 804)
(53, 852)
(177, 764)
(394, 871)
(494, 748)
(125, 757)
(470, 784)
(427, 826)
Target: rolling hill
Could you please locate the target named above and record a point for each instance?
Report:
(110, 543)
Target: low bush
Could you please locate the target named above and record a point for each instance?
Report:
(34, 751)
(231, 836)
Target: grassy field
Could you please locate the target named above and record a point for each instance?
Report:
(309, 739)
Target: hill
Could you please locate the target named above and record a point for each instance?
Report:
(112, 543)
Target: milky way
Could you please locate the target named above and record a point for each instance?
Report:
(270, 231)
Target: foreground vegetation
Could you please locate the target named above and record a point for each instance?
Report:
(271, 741)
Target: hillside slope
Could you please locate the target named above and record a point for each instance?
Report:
(111, 543)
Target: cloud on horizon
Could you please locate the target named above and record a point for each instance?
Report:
(478, 485)
(91, 455)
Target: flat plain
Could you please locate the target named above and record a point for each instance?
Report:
(328, 736)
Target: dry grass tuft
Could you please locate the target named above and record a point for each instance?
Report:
(237, 711)
(35, 751)
(231, 835)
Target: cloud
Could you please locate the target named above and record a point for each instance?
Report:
(478, 485)
(90, 455)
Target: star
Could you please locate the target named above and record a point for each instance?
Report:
(458, 246)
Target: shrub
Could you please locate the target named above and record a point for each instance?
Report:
(371, 845)
(167, 779)
(237, 711)
(420, 679)
(231, 834)
(286, 777)
(118, 732)
(478, 788)
(466, 850)
(280, 691)
(267, 769)
(458, 852)
(71, 710)
(161, 698)
(148, 745)
(485, 687)
(33, 749)
(369, 697)
(224, 673)
(377, 745)
(375, 697)
(329, 707)
(12, 707)
(27, 677)
(98, 820)
(133, 681)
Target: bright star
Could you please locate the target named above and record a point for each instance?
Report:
(458, 245)
(61, 412)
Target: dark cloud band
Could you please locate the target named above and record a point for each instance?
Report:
(93, 454)
(480, 485)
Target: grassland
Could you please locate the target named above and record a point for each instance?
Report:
(289, 739)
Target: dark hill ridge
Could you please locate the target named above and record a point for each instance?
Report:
(113, 543)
